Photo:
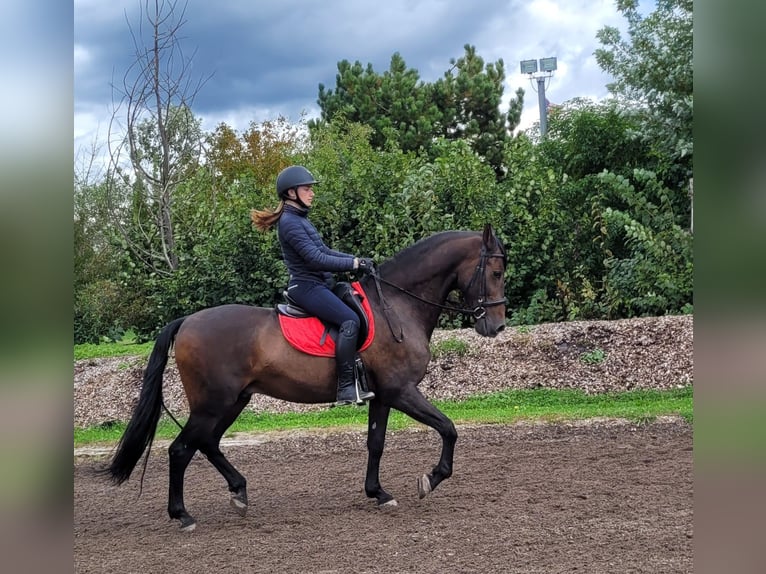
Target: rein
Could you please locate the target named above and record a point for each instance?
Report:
(477, 312)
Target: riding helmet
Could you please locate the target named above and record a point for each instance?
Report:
(293, 176)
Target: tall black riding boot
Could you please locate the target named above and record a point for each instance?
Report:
(345, 352)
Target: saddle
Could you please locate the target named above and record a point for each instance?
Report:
(309, 334)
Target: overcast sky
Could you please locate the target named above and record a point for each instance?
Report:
(268, 57)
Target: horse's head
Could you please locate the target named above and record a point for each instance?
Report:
(473, 263)
(483, 286)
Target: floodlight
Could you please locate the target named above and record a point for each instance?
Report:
(547, 64)
(528, 66)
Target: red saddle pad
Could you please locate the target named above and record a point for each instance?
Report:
(306, 334)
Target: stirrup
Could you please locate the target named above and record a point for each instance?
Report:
(362, 396)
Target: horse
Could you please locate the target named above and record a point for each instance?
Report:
(226, 353)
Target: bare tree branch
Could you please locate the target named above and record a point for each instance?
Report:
(151, 154)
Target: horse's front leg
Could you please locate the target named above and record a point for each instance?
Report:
(412, 403)
(377, 422)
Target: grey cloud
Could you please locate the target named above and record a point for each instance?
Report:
(273, 55)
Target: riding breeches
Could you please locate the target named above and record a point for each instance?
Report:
(319, 300)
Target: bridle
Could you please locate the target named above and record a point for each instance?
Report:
(478, 312)
(481, 309)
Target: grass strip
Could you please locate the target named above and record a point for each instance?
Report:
(119, 349)
(504, 407)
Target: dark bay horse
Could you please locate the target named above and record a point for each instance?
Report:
(225, 354)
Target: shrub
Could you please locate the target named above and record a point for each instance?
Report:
(98, 312)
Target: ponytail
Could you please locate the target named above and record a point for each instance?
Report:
(265, 219)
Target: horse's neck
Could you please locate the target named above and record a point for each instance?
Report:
(434, 276)
(430, 284)
(427, 272)
(431, 287)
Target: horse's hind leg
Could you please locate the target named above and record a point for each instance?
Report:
(203, 432)
(211, 449)
(180, 452)
(412, 403)
(377, 422)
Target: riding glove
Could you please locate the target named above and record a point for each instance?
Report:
(366, 265)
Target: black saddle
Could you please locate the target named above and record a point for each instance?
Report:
(345, 293)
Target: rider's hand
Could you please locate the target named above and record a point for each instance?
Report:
(366, 265)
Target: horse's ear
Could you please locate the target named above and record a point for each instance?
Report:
(489, 237)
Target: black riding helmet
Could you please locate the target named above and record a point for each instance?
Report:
(293, 176)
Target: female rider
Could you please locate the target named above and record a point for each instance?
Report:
(310, 264)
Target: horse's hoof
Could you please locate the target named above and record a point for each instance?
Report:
(238, 505)
(424, 486)
(187, 524)
(389, 504)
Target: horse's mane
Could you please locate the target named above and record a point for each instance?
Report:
(422, 249)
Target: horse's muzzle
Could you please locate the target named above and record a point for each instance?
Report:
(485, 329)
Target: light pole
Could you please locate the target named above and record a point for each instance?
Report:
(547, 66)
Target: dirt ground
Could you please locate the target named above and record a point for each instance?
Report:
(596, 497)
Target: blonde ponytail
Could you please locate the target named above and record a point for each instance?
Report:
(266, 219)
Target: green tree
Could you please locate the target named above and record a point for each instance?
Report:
(569, 264)
(401, 108)
(222, 259)
(533, 226)
(470, 106)
(652, 69)
(352, 210)
(395, 104)
(93, 249)
(258, 153)
(586, 137)
(648, 255)
(97, 300)
(142, 196)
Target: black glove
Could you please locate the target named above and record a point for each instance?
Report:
(366, 265)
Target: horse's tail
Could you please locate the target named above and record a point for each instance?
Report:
(139, 433)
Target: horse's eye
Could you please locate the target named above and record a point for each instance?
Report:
(498, 274)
